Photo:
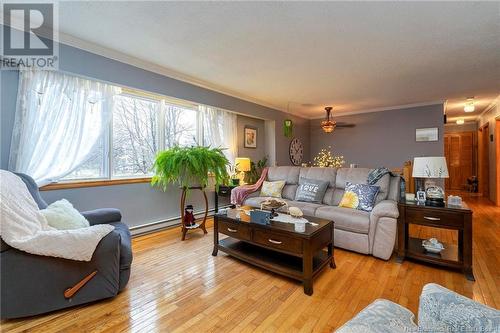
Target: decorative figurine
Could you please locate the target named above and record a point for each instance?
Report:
(188, 216)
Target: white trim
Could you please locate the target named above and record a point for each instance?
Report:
(489, 107)
(155, 68)
(388, 108)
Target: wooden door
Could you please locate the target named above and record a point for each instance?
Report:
(459, 153)
(484, 160)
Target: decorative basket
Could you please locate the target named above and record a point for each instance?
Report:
(273, 204)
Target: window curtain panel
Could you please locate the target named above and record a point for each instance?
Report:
(220, 130)
(59, 120)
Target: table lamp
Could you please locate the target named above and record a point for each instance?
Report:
(242, 165)
(430, 167)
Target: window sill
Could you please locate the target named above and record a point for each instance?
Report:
(93, 183)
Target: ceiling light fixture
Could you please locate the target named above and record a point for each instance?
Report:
(328, 125)
(469, 105)
(460, 121)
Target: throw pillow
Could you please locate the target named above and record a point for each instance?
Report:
(359, 196)
(63, 216)
(311, 190)
(272, 189)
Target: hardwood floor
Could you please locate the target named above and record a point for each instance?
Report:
(178, 286)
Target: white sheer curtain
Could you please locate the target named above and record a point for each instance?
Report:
(220, 130)
(59, 120)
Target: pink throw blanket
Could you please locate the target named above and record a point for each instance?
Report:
(239, 194)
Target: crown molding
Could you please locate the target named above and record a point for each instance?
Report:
(489, 107)
(381, 109)
(158, 69)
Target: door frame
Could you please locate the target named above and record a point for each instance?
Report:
(484, 159)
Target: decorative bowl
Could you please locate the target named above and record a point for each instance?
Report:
(272, 203)
(432, 247)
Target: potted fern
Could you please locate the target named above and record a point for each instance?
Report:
(190, 168)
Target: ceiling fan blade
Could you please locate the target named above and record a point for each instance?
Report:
(345, 125)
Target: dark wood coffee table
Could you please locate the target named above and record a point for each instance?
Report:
(277, 247)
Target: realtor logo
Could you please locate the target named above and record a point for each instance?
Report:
(28, 36)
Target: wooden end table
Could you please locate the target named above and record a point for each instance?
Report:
(224, 191)
(276, 246)
(454, 218)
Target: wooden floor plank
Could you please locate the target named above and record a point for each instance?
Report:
(180, 287)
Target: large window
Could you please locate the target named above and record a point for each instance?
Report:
(140, 127)
(135, 135)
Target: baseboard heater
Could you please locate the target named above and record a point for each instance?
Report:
(147, 228)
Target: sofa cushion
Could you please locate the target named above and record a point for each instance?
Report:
(358, 176)
(443, 310)
(311, 190)
(346, 218)
(381, 316)
(287, 173)
(308, 208)
(359, 196)
(272, 189)
(254, 201)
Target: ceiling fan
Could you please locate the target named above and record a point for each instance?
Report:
(328, 125)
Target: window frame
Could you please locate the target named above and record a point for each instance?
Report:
(109, 179)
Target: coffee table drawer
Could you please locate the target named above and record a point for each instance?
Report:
(277, 241)
(235, 230)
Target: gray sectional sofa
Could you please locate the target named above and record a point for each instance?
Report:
(364, 232)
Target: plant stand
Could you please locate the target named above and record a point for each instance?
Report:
(183, 205)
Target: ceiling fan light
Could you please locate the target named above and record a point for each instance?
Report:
(469, 105)
(328, 126)
(460, 121)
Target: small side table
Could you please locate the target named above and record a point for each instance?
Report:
(224, 191)
(454, 218)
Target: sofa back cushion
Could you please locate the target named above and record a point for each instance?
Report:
(289, 174)
(323, 174)
(289, 192)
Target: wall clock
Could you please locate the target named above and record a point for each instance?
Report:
(296, 151)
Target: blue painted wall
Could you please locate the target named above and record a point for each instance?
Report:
(384, 138)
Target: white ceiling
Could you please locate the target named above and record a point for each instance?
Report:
(355, 56)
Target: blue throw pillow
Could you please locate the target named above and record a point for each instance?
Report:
(359, 196)
(311, 190)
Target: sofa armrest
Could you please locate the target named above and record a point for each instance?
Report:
(21, 296)
(383, 226)
(385, 208)
(442, 310)
(381, 316)
(102, 215)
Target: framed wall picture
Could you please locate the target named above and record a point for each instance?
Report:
(250, 137)
(426, 134)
